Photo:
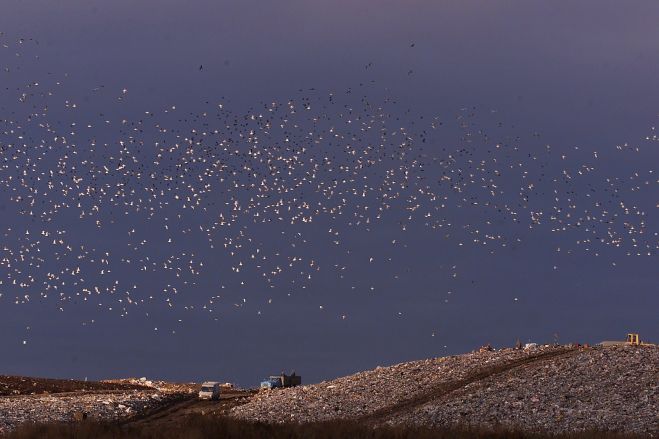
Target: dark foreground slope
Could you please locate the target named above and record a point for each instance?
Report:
(208, 427)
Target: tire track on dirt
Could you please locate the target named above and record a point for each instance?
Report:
(161, 412)
(445, 389)
(179, 409)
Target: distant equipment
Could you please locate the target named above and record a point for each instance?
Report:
(210, 390)
(633, 339)
(283, 380)
(486, 348)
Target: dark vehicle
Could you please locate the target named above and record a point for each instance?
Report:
(282, 380)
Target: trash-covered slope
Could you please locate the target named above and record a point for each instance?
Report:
(613, 388)
(544, 388)
(66, 407)
(17, 385)
(364, 393)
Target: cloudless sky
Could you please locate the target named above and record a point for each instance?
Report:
(578, 73)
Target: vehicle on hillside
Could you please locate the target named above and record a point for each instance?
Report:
(283, 380)
(210, 390)
(633, 339)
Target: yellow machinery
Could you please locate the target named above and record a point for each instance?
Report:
(633, 339)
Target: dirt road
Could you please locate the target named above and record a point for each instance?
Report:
(178, 409)
(445, 389)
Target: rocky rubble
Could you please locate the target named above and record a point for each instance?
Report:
(161, 386)
(16, 410)
(365, 392)
(18, 385)
(613, 388)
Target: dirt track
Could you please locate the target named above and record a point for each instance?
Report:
(446, 388)
(158, 404)
(176, 410)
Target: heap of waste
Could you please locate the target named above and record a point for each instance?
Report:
(65, 407)
(541, 388)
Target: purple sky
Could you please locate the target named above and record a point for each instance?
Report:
(580, 74)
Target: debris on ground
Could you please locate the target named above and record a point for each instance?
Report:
(604, 388)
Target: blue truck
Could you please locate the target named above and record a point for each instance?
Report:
(283, 380)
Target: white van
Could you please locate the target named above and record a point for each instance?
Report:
(210, 390)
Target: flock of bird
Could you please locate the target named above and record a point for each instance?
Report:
(246, 204)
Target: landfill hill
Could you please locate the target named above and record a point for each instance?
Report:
(27, 400)
(18, 385)
(549, 389)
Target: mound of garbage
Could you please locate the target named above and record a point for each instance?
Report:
(542, 388)
(76, 406)
(161, 386)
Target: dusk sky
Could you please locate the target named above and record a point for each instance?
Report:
(517, 136)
